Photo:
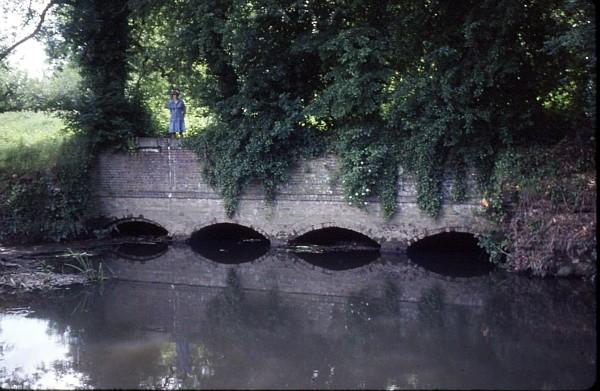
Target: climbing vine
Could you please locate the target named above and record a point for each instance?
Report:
(438, 89)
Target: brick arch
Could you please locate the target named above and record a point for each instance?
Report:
(132, 219)
(240, 223)
(358, 228)
(434, 231)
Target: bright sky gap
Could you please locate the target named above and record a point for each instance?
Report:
(30, 56)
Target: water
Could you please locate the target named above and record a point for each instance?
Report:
(175, 319)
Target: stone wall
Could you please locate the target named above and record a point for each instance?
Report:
(164, 185)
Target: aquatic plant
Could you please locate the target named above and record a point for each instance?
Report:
(86, 267)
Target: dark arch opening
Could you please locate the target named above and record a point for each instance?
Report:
(335, 237)
(229, 243)
(336, 248)
(138, 228)
(454, 254)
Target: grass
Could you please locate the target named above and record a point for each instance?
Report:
(29, 141)
(86, 267)
(43, 179)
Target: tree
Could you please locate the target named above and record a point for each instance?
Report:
(98, 34)
(481, 82)
(31, 17)
(58, 92)
(354, 45)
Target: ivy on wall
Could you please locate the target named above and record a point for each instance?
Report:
(437, 88)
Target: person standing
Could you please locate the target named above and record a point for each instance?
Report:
(176, 107)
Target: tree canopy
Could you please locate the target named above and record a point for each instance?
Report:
(438, 88)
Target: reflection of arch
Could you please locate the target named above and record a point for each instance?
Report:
(229, 243)
(340, 260)
(141, 251)
(303, 270)
(357, 229)
(157, 227)
(434, 231)
(211, 223)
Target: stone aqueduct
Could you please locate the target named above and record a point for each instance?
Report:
(164, 186)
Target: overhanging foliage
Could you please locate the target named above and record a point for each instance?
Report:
(437, 87)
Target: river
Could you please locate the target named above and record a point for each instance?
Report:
(172, 318)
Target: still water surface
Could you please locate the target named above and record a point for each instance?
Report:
(174, 319)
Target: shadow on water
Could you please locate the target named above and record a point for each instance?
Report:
(451, 254)
(229, 243)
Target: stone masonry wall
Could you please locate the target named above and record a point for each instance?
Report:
(164, 185)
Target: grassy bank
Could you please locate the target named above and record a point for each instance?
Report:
(29, 141)
(43, 172)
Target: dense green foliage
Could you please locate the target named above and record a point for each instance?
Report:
(479, 86)
(439, 88)
(49, 204)
(43, 179)
(59, 92)
(97, 33)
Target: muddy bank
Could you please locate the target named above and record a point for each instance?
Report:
(28, 271)
(31, 280)
(46, 267)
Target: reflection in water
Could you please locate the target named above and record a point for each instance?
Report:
(137, 251)
(339, 260)
(33, 355)
(388, 330)
(452, 265)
